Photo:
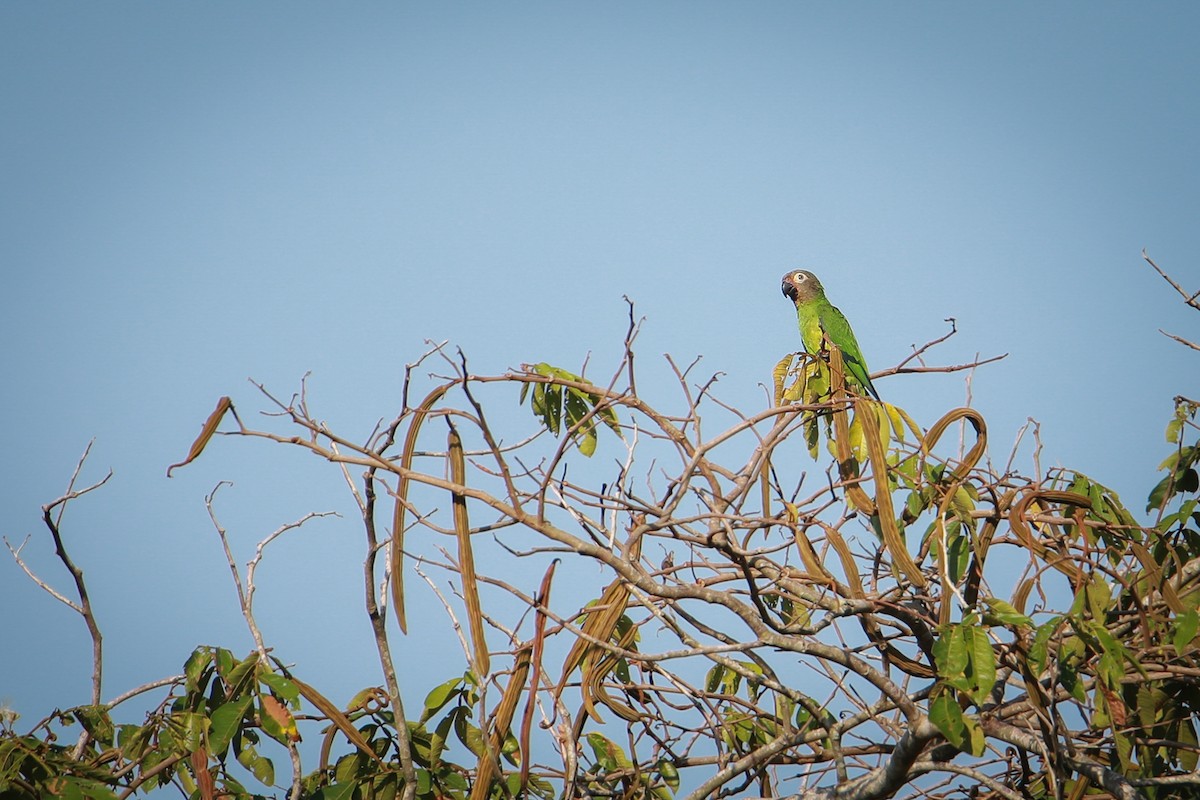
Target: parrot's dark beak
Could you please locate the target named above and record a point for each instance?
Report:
(789, 290)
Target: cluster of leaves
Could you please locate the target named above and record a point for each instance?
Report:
(815, 384)
(565, 397)
(220, 712)
(612, 769)
(34, 765)
(221, 706)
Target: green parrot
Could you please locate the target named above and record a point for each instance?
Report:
(820, 319)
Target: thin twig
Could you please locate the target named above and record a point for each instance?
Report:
(84, 607)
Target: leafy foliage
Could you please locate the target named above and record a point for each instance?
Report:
(567, 398)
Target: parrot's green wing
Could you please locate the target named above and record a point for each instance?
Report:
(837, 330)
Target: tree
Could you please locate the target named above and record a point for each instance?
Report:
(815, 602)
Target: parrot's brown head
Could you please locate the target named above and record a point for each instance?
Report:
(800, 286)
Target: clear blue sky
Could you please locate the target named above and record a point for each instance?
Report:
(194, 194)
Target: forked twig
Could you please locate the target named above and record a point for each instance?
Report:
(246, 590)
(84, 606)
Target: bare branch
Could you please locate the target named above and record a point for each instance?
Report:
(1180, 339)
(1192, 299)
(84, 606)
(245, 591)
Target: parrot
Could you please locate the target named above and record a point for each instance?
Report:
(820, 319)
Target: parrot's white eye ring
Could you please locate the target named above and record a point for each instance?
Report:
(799, 277)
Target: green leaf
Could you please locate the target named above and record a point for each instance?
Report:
(96, 721)
(976, 741)
(915, 505)
(1181, 477)
(1068, 676)
(961, 730)
(336, 791)
(1124, 747)
(962, 503)
(224, 662)
(200, 658)
(608, 754)
(349, 767)
(469, 735)
(133, 740)
(669, 773)
(68, 789)
(1188, 755)
(226, 721)
(945, 713)
(239, 676)
(1149, 701)
(263, 770)
(188, 728)
(555, 404)
(385, 787)
(1005, 614)
(1170, 462)
(86, 789)
(473, 739)
(1185, 631)
(553, 409)
(438, 739)
(1175, 429)
(714, 678)
(440, 695)
(587, 440)
(276, 721)
(246, 755)
(951, 655)
(538, 404)
(983, 664)
(958, 547)
(281, 686)
(576, 406)
(425, 782)
(259, 766)
(1158, 494)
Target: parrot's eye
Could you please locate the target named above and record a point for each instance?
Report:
(799, 277)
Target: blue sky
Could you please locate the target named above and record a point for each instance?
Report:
(191, 195)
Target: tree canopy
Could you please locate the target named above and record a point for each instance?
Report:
(821, 598)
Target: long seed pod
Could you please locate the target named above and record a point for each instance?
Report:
(847, 469)
(893, 540)
(600, 623)
(1154, 577)
(466, 556)
(1018, 520)
(539, 641)
(975, 453)
(593, 683)
(396, 561)
(958, 476)
(335, 715)
(488, 765)
(808, 555)
(206, 432)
